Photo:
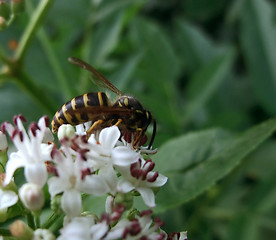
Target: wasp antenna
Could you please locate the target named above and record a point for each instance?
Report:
(153, 133)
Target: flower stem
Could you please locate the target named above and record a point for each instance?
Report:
(36, 19)
(3, 56)
(37, 219)
(30, 220)
(53, 59)
(15, 65)
(54, 221)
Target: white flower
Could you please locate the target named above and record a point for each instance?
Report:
(183, 236)
(86, 228)
(141, 227)
(32, 152)
(82, 128)
(32, 196)
(43, 234)
(178, 236)
(105, 151)
(77, 229)
(66, 130)
(99, 230)
(7, 199)
(73, 178)
(3, 142)
(139, 177)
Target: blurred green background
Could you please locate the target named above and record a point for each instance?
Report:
(195, 64)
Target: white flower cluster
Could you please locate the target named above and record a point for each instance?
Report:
(104, 164)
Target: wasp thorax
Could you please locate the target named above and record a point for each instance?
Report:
(128, 102)
(139, 117)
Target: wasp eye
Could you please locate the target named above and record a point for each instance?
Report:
(126, 102)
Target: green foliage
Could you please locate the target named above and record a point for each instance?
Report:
(196, 65)
(196, 161)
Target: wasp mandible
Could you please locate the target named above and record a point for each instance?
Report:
(126, 112)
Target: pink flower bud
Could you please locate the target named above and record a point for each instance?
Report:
(20, 230)
(32, 196)
(17, 6)
(4, 9)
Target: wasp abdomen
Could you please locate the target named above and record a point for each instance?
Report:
(71, 112)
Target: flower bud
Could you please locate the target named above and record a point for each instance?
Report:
(125, 199)
(109, 203)
(3, 151)
(3, 142)
(132, 213)
(31, 196)
(17, 6)
(43, 234)
(56, 204)
(3, 23)
(20, 230)
(4, 9)
(66, 131)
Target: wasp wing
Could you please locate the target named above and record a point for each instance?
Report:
(100, 80)
(100, 111)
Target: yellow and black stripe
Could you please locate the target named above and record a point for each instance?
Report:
(76, 111)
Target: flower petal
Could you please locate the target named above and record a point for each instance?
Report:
(77, 229)
(15, 161)
(123, 156)
(57, 185)
(147, 195)
(124, 186)
(109, 137)
(94, 184)
(98, 231)
(160, 181)
(36, 173)
(109, 175)
(71, 203)
(7, 199)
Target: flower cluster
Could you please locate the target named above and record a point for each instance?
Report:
(76, 167)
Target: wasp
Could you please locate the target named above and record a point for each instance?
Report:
(126, 112)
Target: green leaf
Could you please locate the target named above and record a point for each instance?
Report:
(122, 77)
(248, 223)
(158, 69)
(196, 48)
(190, 149)
(258, 37)
(202, 10)
(159, 66)
(185, 185)
(205, 82)
(108, 8)
(106, 38)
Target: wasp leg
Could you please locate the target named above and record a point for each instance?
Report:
(94, 125)
(138, 136)
(118, 122)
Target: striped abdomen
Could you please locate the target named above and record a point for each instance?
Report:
(79, 110)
